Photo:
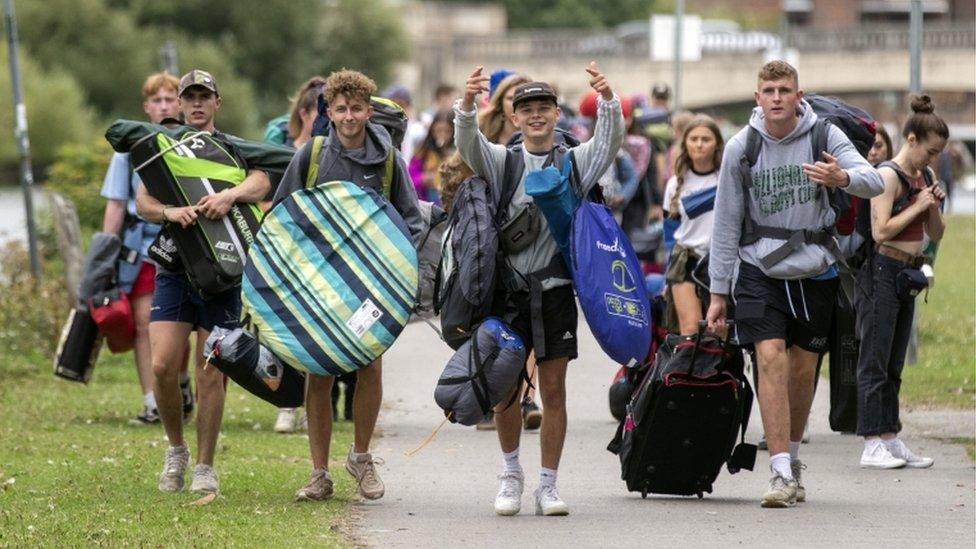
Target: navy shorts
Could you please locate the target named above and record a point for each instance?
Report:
(797, 311)
(176, 300)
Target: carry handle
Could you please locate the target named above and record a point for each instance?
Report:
(702, 328)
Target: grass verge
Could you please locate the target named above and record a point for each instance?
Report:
(74, 472)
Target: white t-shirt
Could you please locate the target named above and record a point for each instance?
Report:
(696, 233)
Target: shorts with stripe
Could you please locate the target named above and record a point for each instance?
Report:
(797, 311)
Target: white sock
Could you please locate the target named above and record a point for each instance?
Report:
(780, 463)
(511, 461)
(149, 400)
(355, 455)
(547, 477)
(794, 450)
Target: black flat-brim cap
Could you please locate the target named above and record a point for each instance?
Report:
(534, 91)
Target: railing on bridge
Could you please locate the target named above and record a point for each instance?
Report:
(550, 44)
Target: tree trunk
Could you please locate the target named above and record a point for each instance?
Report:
(69, 241)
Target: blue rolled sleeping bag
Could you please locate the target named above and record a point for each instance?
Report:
(556, 199)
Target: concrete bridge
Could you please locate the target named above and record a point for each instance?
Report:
(843, 62)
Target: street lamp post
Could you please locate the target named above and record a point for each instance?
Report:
(20, 134)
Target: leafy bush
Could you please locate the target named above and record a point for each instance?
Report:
(56, 112)
(77, 173)
(31, 314)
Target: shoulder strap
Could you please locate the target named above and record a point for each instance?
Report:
(902, 202)
(753, 146)
(389, 172)
(818, 138)
(313, 161)
(514, 166)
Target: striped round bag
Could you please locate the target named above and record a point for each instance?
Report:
(331, 278)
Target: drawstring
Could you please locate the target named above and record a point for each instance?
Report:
(789, 297)
(803, 297)
(430, 437)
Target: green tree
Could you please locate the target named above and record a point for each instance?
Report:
(56, 111)
(363, 35)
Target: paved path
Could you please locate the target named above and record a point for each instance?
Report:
(443, 496)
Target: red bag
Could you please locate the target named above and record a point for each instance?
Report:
(112, 313)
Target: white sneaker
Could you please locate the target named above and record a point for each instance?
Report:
(174, 469)
(877, 456)
(286, 420)
(205, 480)
(899, 450)
(548, 502)
(508, 502)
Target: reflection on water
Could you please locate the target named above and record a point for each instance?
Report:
(13, 224)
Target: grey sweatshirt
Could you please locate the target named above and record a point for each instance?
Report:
(363, 167)
(782, 196)
(488, 160)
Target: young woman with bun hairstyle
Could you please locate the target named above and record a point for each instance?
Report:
(690, 196)
(907, 210)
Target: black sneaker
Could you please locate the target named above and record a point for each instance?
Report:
(148, 416)
(531, 415)
(187, 393)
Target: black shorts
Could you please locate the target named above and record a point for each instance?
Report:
(798, 311)
(559, 320)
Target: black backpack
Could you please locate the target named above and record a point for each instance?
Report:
(858, 126)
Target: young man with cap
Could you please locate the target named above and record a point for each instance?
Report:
(354, 150)
(774, 219)
(535, 114)
(178, 307)
(136, 273)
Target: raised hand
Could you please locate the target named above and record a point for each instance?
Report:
(476, 85)
(599, 82)
(827, 173)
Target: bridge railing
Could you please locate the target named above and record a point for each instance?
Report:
(551, 44)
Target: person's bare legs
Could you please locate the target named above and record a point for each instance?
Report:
(142, 349)
(210, 400)
(774, 394)
(688, 307)
(318, 410)
(803, 369)
(366, 404)
(168, 344)
(552, 387)
(508, 421)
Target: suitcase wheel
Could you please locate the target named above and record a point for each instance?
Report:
(700, 496)
(644, 493)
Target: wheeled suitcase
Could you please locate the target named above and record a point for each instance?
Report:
(683, 421)
(843, 349)
(182, 171)
(78, 347)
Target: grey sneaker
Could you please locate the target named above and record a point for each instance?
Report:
(797, 467)
(899, 450)
(363, 469)
(148, 416)
(174, 469)
(781, 493)
(205, 480)
(508, 502)
(548, 502)
(318, 488)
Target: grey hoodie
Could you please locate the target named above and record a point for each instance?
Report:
(782, 196)
(486, 159)
(363, 167)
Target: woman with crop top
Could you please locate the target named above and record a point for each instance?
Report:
(885, 309)
(690, 197)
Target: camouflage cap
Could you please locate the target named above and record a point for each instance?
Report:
(198, 77)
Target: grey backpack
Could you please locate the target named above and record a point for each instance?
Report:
(429, 255)
(482, 372)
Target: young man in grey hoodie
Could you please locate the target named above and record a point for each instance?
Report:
(355, 150)
(788, 275)
(536, 112)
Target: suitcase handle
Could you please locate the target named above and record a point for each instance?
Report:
(702, 328)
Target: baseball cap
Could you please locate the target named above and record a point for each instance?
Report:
(534, 90)
(198, 77)
(397, 92)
